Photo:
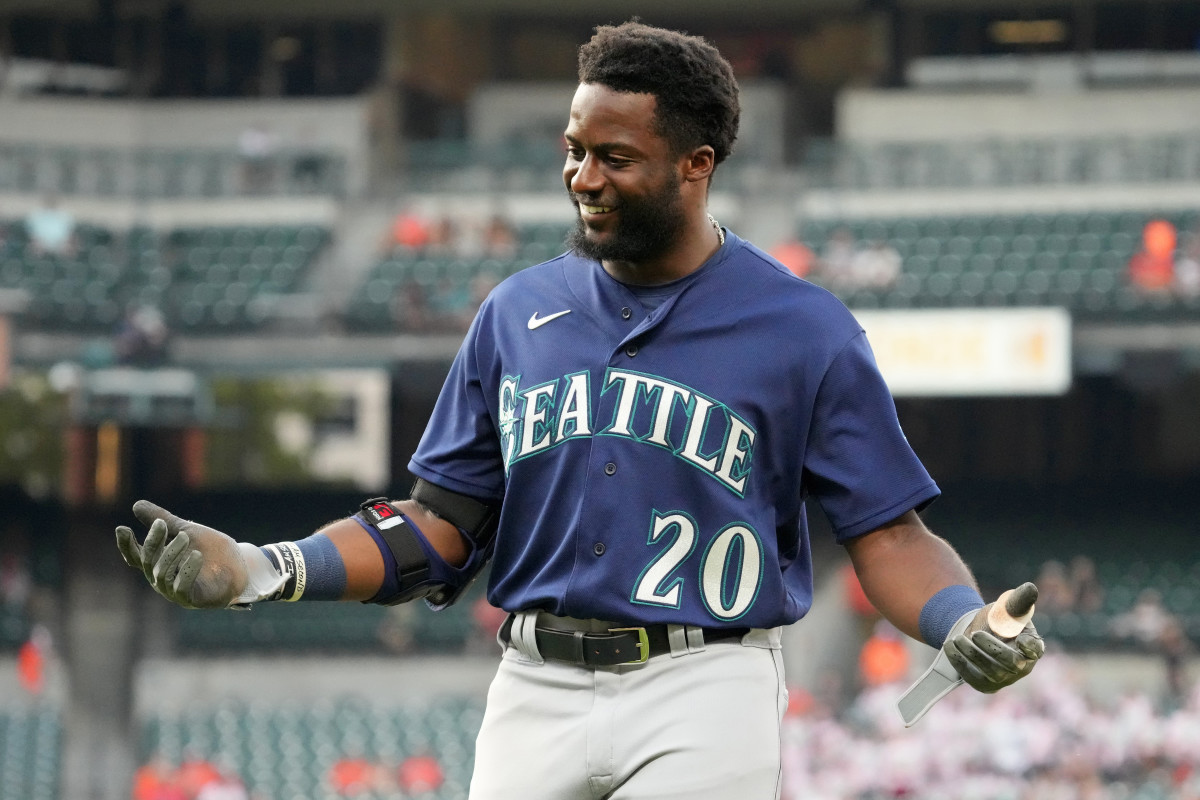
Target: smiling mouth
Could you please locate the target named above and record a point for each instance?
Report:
(596, 209)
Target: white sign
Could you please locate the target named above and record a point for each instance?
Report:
(999, 351)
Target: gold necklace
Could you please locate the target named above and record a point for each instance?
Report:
(720, 231)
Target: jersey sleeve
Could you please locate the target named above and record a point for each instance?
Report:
(460, 448)
(858, 464)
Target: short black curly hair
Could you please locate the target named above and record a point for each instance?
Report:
(696, 93)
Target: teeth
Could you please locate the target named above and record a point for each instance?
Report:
(597, 209)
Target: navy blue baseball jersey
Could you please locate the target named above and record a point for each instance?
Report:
(653, 460)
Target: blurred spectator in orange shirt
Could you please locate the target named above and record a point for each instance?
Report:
(31, 660)
(155, 780)
(794, 255)
(355, 775)
(884, 658)
(1153, 267)
(855, 597)
(420, 774)
(195, 773)
(408, 232)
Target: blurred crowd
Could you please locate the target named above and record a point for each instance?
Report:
(196, 778)
(1073, 587)
(1043, 739)
(844, 263)
(1055, 736)
(1047, 738)
(447, 302)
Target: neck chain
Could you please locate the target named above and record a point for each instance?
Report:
(720, 231)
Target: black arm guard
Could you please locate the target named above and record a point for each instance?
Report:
(475, 519)
(411, 578)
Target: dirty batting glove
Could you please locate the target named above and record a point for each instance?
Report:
(989, 648)
(196, 566)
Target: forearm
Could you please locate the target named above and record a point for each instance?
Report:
(360, 558)
(902, 565)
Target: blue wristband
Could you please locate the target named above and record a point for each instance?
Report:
(314, 568)
(944, 609)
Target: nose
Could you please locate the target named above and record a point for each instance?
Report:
(583, 177)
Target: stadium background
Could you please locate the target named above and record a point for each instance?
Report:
(273, 181)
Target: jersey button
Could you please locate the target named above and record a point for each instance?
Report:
(610, 468)
(631, 351)
(598, 548)
(626, 312)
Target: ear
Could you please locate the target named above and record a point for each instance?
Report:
(698, 165)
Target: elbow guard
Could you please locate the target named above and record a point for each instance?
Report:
(407, 566)
(412, 568)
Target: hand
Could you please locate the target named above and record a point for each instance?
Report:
(187, 563)
(987, 656)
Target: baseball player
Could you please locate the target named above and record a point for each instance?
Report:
(629, 434)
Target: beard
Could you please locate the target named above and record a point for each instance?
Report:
(647, 228)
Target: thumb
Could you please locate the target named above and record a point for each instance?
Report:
(146, 512)
(1007, 617)
(1021, 601)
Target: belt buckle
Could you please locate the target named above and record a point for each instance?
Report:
(643, 645)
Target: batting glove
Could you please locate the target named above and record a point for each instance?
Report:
(196, 566)
(987, 661)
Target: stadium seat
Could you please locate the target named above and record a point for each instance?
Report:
(287, 751)
(30, 753)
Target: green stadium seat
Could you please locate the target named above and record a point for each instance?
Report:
(950, 264)
(1025, 244)
(1066, 225)
(929, 247)
(1015, 263)
(1057, 244)
(993, 246)
(1034, 225)
(1123, 243)
(288, 751)
(959, 246)
(1088, 243)
(937, 228)
(1005, 282)
(906, 229)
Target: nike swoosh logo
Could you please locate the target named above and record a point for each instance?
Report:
(536, 322)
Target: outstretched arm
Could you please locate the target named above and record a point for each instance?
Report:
(199, 567)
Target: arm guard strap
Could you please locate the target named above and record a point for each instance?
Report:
(476, 520)
(407, 569)
(413, 569)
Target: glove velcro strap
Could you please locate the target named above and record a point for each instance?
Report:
(264, 579)
(287, 558)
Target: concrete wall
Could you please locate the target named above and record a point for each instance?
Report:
(880, 115)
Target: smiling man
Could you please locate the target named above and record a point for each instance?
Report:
(629, 434)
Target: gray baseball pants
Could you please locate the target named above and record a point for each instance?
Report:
(702, 723)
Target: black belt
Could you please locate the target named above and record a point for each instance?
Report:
(612, 648)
